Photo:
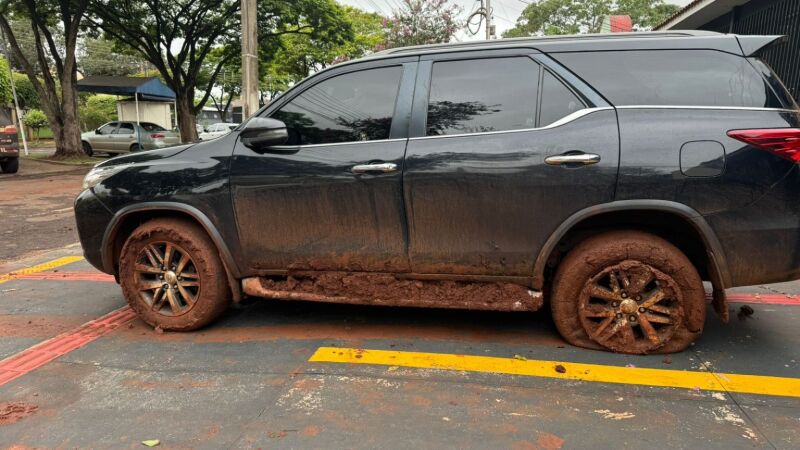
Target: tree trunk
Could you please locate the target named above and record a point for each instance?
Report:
(70, 142)
(187, 119)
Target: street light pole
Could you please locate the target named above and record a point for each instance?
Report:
(489, 30)
(249, 59)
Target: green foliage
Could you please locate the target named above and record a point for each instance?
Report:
(102, 57)
(97, 110)
(5, 83)
(35, 119)
(549, 17)
(420, 22)
(26, 94)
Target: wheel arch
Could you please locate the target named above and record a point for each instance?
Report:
(128, 218)
(676, 222)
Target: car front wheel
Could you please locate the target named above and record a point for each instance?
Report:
(172, 276)
(11, 165)
(628, 292)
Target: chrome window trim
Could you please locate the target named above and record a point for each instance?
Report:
(732, 108)
(564, 120)
(337, 143)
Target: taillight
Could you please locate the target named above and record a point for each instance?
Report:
(157, 136)
(10, 129)
(784, 142)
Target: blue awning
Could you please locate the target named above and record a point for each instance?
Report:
(151, 89)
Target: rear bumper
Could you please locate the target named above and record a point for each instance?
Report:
(92, 219)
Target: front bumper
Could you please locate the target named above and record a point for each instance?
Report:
(92, 219)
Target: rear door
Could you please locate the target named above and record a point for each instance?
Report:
(504, 146)
(331, 199)
(123, 137)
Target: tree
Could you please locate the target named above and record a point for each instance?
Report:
(548, 17)
(35, 120)
(26, 93)
(177, 37)
(97, 110)
(99, 56)
(420, 22)
(55, 61)
(5, 83)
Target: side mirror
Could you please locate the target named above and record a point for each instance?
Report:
(97, 131)
(260, 133)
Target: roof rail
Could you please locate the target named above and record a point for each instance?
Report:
(566, 37)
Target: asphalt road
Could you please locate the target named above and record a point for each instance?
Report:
(78, 370)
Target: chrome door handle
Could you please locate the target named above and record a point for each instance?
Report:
(577, 158)
(382, 167)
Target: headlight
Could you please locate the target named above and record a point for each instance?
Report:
(98, 174)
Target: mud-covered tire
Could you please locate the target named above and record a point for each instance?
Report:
(577, 310)
(87, 148)
(211, 295)
(10, 166)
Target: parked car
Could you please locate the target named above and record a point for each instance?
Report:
(217, 130)
(199, 128)
(606, 174)
(123, 137)
(9, 149)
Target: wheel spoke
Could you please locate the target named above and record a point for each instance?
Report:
(173, 301)
(149, 286)
(656, 318)
(653, 299)
(189, 275)
(623, 277)
(660, 309)
(182, 263)
(187, 298)
(641, 280)
(167, 256)
(603, 325)
(611, 331)
(601, 293)
(627, 334)
(648, 329)
(147, 269)
(190, 283)
(614, 282)
(152, 255)
(158, 299)
(597, 311)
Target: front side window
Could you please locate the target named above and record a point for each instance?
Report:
(355, 106)
(107, 128)
(480, 95)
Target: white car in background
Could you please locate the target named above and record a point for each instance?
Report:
(217, 130)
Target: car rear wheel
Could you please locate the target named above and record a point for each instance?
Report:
(87, 148)
(172, 276)
(10, 165)
(628, 292)
(135, 147)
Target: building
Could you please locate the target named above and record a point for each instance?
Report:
(146, 99)
(765, 17)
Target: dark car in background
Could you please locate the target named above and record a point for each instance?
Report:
(609, 175)
(9, 149)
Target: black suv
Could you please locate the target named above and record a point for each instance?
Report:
(606, 174)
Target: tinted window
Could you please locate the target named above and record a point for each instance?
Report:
(125, 128)
(151, 127)
(107, 128)
(557, 100)
(671, 77)
(356, 106)
(480, 95)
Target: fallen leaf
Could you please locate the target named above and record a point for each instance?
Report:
(151, 442)
(560, 369)
(520, 357)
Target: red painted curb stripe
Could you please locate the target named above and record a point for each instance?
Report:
(40, 354)
(67, 276)
(763, 299)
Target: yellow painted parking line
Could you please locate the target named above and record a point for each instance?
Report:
(4, 277)
(711, 381)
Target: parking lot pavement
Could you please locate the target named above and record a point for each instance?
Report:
(81, 371)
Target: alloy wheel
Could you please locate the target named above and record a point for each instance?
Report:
(167, 278)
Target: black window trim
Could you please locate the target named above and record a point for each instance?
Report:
(592, 101)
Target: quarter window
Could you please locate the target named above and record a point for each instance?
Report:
(557, 100)
(479, 95)
(672, 77)
(355, 106)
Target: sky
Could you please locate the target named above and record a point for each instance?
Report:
(505, 11)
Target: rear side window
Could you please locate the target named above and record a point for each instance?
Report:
(356, 106)
(557, 100)
(151, 127)
(479, 95)
(672, 77)
(124, 128)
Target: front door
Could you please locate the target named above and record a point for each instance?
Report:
(502, 150)
(101, 140)
(331, 199)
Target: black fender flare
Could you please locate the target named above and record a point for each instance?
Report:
(113, 227)
(718, 268)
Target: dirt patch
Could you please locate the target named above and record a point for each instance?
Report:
(14, 412)
(388, 290)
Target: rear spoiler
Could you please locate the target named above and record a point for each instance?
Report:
(753, 45)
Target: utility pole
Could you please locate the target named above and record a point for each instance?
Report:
(249, 59)
(489, 26)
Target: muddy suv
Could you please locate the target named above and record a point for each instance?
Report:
(606, 175)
